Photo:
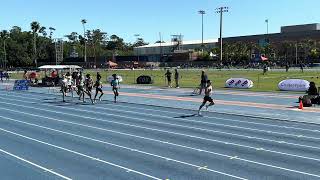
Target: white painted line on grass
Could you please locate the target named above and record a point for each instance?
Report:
(34, 164)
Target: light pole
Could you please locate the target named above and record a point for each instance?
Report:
(137, 36)
(202, 12)
(267, 22)
(5, 54)
(160, 46)
(296, 48)
(84, 21)
(221, 10)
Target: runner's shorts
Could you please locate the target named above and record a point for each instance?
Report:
(207, 99)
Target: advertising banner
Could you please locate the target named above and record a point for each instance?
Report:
(241, 83)
(294, 85)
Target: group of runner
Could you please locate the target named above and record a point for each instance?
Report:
(84, 86)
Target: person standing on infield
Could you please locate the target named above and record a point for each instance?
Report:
(168, 75)
(115, 83)
(207, 97)
(176, 77)
(204, 79)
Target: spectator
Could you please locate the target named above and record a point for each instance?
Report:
(6, 75)
(312, 96)
(287, 67)
(312, 89)
(176, 78)
(204, 79)
(25, 75)
(98, 75)
(265, 69)
(1, 76)
(301, 66)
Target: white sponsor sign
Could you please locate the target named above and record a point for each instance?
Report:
(239, 83)
(294, 85)
(110, 78)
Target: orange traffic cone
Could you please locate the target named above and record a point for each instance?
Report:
(301, 105)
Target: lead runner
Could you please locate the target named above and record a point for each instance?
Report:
(207, 97)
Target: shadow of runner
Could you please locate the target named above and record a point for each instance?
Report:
(185, 116)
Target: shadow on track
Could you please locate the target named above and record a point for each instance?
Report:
(185, 116)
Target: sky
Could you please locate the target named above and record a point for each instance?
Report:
(149, 18)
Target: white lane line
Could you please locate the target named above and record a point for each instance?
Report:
(216, 124)
(127, 148)
(168, 159)
(232, 120)
(153, 129)
(80, 154)
(222, 132)
(34, 164)
(193, 121)
(264, 164)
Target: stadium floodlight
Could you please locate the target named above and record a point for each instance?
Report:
(137, 36)
(84, 21)
(202, 12)
(220, 11)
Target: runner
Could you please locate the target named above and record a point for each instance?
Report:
(69, 82)
(98, 86)
(88, 87)
(115, 86)
(207, 97)
(64, 87)
(80, 84)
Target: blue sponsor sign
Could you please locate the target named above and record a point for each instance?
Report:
(21, 85)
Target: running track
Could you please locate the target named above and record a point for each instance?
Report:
(42, 138)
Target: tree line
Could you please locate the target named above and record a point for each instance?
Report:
(20, 48)
(291, 52)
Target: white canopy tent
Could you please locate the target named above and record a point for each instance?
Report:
(58, 67)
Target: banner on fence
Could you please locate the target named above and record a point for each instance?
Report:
(144, 80)
(21, 85)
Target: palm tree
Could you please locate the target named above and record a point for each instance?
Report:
(73, 38)
(35, 27)
(51, 32)
(98, 38)
(42, 30)
(4, 35)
